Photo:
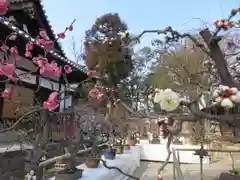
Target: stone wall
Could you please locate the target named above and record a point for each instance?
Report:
(138, 125)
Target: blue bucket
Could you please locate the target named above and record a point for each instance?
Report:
(109, 155)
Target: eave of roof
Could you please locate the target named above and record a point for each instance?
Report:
(59, 47)
(44, 15)
(16, 1)
(27, 37)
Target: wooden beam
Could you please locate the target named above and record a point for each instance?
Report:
(21, 6)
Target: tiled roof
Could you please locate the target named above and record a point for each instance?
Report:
(17, 1)
(51, 29)
(59, 47)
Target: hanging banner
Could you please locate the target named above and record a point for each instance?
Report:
(25, 76)
(68, 101)
(48, 84)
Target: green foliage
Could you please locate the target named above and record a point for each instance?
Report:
(182, 71)
(132, 88)
(103, 49)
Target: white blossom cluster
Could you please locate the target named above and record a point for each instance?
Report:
(223, 95)
(226, 97)
(167, 99)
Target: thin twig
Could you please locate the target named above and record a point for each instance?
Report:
(19, 120)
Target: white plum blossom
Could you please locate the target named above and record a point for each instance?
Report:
(158, 96)
(165, 120)
(215, 94)
(236, 98)
(167, 99)
(227, 103)
(225, 96)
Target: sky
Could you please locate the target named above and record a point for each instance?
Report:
(182, 15)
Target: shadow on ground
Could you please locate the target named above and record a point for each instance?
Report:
(140, 171)
(148, 170)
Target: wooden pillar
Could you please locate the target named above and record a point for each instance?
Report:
(142, 129)
(2, 87)
(62, 88)
(36, 89)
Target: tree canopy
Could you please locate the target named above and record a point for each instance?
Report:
(182, 71)
(132, 87)
(103, 49)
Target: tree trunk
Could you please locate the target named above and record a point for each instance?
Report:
(218, 57)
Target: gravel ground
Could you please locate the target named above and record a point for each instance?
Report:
(147, 170)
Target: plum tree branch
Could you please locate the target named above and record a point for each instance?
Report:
(175, 36)
(173, 131)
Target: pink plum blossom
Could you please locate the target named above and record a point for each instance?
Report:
(14, 51)
(53, 102)
(6, 93)
(67, 69)
(3, 7)
(29, 46)
(95, 94)
(93, 73)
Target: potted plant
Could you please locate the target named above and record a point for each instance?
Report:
(132, 140)
(126, 146)
(119, 147)
(94, 157)
(156, 139)
(93, 161)
(110, 153)
(70, 172)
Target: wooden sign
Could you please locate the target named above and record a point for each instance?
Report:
(48, 84)
(25, 76)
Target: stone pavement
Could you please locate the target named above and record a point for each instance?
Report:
(147, 170)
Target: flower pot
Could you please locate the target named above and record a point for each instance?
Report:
(92, 162)
(126, 147)
(69, 175)
(156, 141)
(109, 154)
(133, 142)
(119, 149)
